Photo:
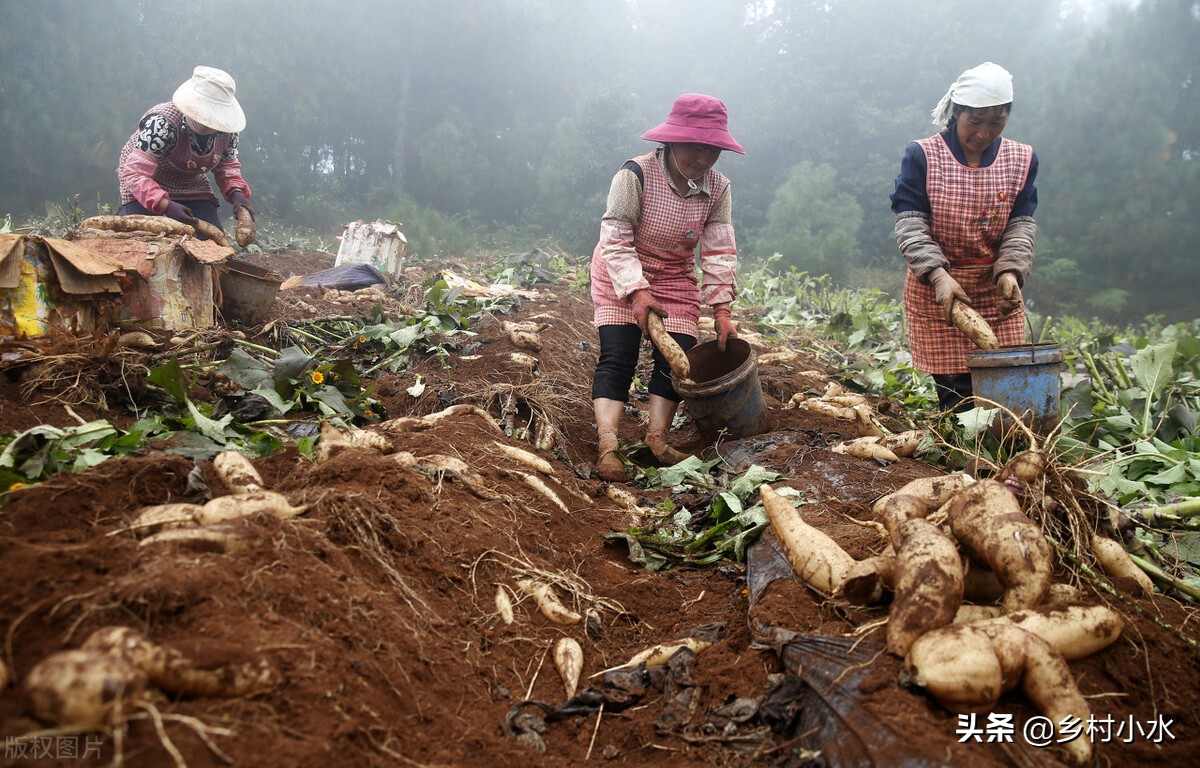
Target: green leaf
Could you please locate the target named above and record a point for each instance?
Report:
(245, 370)
(169, 376)
(976, 421)
(746, 484)
(1152, 367)
(212, 429)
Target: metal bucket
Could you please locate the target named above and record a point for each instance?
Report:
(1023, 378)
(247, 292)
(723, 396)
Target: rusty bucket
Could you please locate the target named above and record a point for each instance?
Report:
(1023, 378)
(723, 395)
(247, 292)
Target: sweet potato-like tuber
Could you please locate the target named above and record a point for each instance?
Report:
(246, 232)
(568, 660)
(935, 491)
(816, 558)
(867, 581)
(160, 225)
(200, 668)
(670, 349)
(236, 472)
(928, 581)
(548, 602)
(987, 520)
(210, 538)
(657, 655)
(231, 507)
(966, 668)
(866, 448)
(529, 459)
(1114, 561)
(161, 517)
(1075, 631)
(504, 605)
(84, 689)
(973, 326)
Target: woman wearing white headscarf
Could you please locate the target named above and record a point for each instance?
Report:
(164, 166)
(964, 204)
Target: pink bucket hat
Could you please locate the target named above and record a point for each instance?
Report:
(698, 119)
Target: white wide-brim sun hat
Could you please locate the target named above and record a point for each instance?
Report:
(208, 98)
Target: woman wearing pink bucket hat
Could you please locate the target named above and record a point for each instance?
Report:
(661, 206)
(164, 165)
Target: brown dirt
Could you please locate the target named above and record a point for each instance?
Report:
(376, 607)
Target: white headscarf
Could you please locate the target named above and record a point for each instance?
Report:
(988, 85)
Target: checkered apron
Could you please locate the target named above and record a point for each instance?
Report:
(665, 238)
(970, 209)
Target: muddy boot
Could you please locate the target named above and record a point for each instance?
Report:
(608, 465)
(666, 455)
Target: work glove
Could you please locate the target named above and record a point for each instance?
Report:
(643, 304)
(946, 290)
(238, 198)
(180, 213)
(246, 232)
(1008, 289)
(724, 323)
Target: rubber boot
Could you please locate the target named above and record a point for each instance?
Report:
(608, 464)
(666, 455)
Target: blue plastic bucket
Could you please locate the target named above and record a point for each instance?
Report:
(1023, 378)
(723, 396)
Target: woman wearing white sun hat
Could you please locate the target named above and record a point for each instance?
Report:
(164, 165)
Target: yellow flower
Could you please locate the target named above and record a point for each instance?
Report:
(317, 377)
(16, 485)
(362, 339)
(367, 414)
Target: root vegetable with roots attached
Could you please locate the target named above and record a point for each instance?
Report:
(531, 460)
(816, 558)
(967, 667)
(237, 505)
(194, 669)
(1115, 562)
(1075, 631)
(161, 517)
(987, 521)
(84, 689)
(677, 359)
(974, 327)
(657, 655)
(237, 472)
(568, 660)
(866, 449)
(935, 491)
(222, 539)
(504, 606)
(928, 581)
(548, 603)
(159, 225)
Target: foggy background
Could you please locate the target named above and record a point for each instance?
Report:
(498, 124)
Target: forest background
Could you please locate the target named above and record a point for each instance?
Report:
(498, 124)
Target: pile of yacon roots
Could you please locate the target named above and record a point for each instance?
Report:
(953, 546)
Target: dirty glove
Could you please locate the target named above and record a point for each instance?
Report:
(725, 329)
(643, 304)
(238, 198)
(1008, 289)
(180, 213)
(946, 290)
(246, 232)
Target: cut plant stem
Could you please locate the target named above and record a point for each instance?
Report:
(1161, 575)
